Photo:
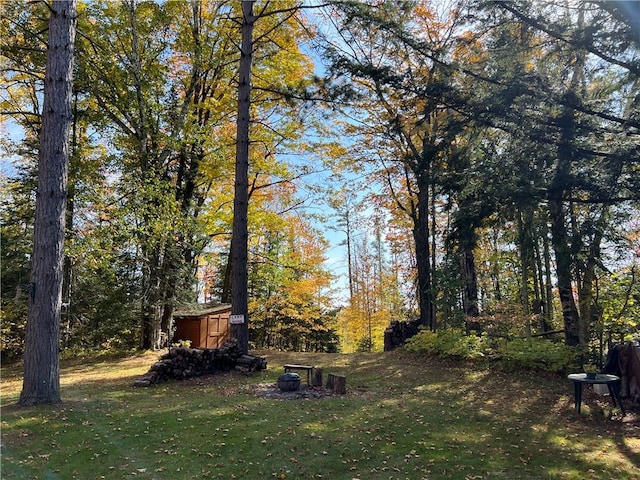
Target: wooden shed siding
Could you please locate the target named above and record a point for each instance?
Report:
(208, 329)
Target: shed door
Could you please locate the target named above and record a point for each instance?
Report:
(217, 330)
(188, 328)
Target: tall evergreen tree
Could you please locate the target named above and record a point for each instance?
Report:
(41, 382)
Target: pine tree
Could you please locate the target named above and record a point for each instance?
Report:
(41, 382)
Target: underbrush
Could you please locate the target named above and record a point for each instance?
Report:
(451, 343)
(513, 354)
(539, 354)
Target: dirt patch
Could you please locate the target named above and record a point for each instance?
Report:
(271, 390)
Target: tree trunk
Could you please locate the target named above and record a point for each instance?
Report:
(495, 271)
(525, 255)
(68, 272)
(585, 293)
(423, 259)
(225, 296)
(41, 382)
(349, 255)
(548, 285)
(540, 293)
(470, 291)
(562, 183)
(563, 272)
(432, 267)
(150, 305)
(240, 236)
(559, 236)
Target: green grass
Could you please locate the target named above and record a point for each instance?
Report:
(404, 417)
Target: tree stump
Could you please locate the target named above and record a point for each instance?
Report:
(317, 377)
(337, 383)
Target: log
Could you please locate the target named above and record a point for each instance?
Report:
(340, 385)
(246, 360)
(180, 363)
(330, 381)
(337, 383)
(317, 377)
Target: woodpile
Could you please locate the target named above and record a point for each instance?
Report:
(398, 332)
(181, 363)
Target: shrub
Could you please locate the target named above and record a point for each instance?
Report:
(13, 321)
(534, 353)
(365, 345)
(423, 342)
(449, 343)
(537, 353)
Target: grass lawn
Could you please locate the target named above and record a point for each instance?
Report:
(404, 417)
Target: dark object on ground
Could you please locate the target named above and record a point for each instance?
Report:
(289, 382)
(271, 390)
(337, 383)
(623, 360)
(181, 362)
(398, 332)
(317, 377)
(611, 381)
(306, 368)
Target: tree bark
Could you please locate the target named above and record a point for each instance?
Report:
(240, 235)
(41, 382)
(423, 259)
(548, 284)
(317, 377)
(563, 272)
(337, 384)
(470, 291)
(588, 313)
(150, 305)
(526, 247)
(349, 254)
(225, 297)
(559, 235)
(562, 183)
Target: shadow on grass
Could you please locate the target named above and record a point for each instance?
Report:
(420, 418)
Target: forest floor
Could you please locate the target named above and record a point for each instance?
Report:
(404, 416)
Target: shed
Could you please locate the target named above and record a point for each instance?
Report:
(205, 328)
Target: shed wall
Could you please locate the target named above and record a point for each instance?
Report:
(206, 330)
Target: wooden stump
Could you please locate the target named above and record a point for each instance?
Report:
(330, 381)
(337, 383)
(317, 377)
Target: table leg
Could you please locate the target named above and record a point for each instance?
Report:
(577, 393)
(614, 391)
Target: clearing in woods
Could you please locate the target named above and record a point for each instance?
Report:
(404, 417)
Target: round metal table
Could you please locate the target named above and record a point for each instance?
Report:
(611, 381)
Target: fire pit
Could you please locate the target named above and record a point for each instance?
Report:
(289, 382)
